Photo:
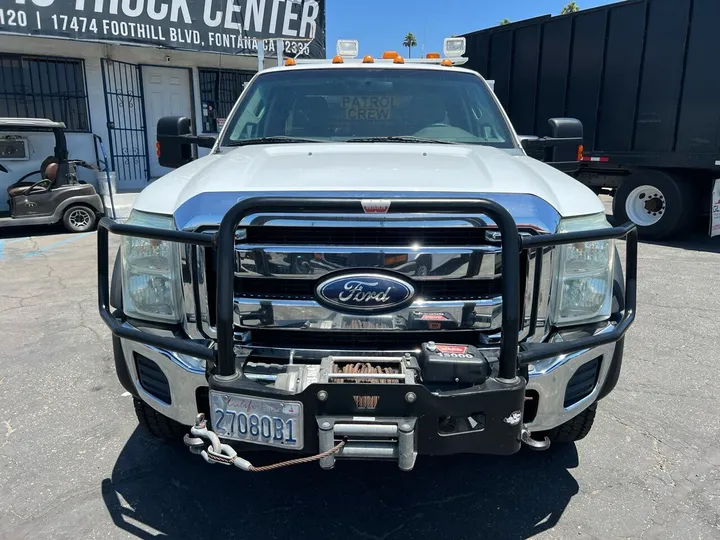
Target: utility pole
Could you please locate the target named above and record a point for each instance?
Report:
(261, 54)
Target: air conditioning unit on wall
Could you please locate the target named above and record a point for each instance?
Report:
(14, 148)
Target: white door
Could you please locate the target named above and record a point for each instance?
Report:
(167, 93)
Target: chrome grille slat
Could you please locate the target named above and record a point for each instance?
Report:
(304, 262)
(365, 236)
(429, 289)
(479, 315)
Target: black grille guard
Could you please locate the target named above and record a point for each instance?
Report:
(512, 357)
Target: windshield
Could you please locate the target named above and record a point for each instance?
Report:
(365, 105)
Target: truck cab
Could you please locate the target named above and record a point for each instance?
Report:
(367, 265)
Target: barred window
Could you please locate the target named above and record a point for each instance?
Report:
(219, 90)
(42, 87)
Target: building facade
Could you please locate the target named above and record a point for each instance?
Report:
(117, 93)
(110, 70)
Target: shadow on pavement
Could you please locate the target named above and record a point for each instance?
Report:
(8, 233)
(694, 239)
(157, 488)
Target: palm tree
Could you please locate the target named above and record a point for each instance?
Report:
(572, 7)
(410, 42)
(504, 22)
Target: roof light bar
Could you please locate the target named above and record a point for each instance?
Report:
(425, 61)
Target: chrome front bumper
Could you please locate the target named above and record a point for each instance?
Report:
(549, 378)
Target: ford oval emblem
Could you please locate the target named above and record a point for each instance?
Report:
(365, 293)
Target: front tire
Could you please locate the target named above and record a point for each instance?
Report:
(571, 431)
(158, 425)
(79, 219)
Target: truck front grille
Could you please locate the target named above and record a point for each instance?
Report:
(455, 268)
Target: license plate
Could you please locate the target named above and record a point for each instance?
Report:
(270, 422)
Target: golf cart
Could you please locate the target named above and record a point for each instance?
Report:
(53, 193)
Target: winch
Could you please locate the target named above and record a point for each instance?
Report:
(441, 363)
(401, 369)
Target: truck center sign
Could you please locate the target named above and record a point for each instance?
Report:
(222, 26)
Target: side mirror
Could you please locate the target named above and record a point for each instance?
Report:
(175, 140)
(563, 150)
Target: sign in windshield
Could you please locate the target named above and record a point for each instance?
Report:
(343, 104)
(369, 107)
(222, 26)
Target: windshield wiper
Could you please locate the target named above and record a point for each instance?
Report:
(271, 140)
(398, 138)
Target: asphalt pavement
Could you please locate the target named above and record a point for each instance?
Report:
(75, 465)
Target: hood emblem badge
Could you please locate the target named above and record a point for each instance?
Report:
(376, 206)
(369, 294)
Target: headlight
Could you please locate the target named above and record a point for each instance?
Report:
(150, 268)
(583, 275)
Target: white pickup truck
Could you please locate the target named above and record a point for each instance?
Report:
(367, 265)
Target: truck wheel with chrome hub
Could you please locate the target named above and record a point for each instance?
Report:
(645, 205)
(659, 203)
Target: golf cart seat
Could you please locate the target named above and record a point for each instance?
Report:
(48, 173)
(28, 188)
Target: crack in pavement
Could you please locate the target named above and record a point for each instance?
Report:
(10, 431)
(638, 390)
(649, 435)
(39, 517)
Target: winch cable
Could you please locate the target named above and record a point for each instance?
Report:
(225, 454)
(298, 461)
(361, 368)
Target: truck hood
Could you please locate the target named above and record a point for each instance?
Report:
(360, 170)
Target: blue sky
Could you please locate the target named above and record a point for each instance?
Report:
(380, 25)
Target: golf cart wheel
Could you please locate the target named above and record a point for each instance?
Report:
(77, 219)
